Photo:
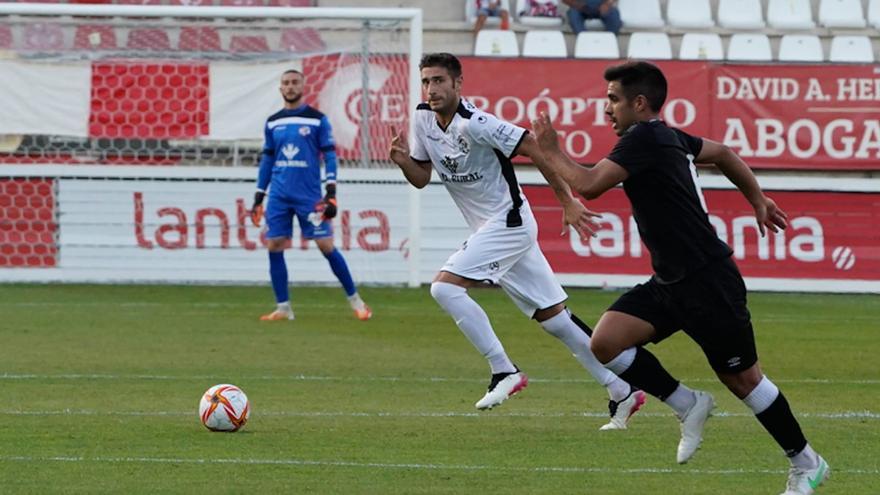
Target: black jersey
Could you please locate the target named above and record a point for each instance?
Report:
(667, 204)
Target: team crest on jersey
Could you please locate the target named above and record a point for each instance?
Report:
(463, 145)
(289, 151)
(450, 163)
(305, 130)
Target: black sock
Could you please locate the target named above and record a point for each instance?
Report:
(583, 326)
(782, 425)
(648, 374)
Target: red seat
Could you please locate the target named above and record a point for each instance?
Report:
(94, 38)
(90, 1)
(301, 40)
(151, 39)
(5, 37)
(290, 3)
(139, 2)
(255, 43)
(43, 36)
(199, 39)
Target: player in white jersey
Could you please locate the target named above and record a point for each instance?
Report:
(471, 152)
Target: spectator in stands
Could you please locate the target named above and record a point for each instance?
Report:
(541, 8)
(491, 8)
(581, 10)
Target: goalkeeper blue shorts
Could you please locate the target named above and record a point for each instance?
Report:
(279, 219)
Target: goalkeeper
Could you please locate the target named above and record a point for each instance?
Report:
(290, 168)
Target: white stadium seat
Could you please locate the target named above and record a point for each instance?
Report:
(851, 49)
(596, 44)
(544, 43)
(841, 14)
(531, 20)
(689, 14)
(649, 46)
(800, 48)
(640, 14)
(496, 43)
(790, 14)
(749, 47)
(874, 13)
(470, 12)
(740, 14)
(701, 46)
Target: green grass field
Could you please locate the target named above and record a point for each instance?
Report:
(99, 389)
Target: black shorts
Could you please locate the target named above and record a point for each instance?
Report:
(709, 305)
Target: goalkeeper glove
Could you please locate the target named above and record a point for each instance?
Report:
(329, 201)
(257, 209)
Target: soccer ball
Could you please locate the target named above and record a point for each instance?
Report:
(224, 407)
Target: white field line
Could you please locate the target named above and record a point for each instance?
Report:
(318, 378)
(842, 415)
(414, 466)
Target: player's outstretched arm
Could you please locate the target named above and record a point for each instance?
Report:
(417, 173)
(768, 215)
(574, 213)
(589, 183)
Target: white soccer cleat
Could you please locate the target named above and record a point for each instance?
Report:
(621, 411)
(278, 315)
(805, 481)
(502, 386)
(692, 426)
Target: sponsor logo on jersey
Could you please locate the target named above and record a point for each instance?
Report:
(461, 178)
(450, 163)
(289, 151)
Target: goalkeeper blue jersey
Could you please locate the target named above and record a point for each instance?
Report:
(294, 142)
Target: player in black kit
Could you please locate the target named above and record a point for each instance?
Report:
(696, 286)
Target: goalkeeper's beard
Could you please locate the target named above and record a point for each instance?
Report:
(293, 101)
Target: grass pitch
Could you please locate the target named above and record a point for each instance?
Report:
(99, 389)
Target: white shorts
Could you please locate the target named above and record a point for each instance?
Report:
(511, 258)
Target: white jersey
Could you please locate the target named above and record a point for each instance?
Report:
(472, 157)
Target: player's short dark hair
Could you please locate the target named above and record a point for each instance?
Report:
(291, 71)
(446, 60)
(640, 78)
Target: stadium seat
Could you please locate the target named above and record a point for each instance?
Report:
(851, 49)
(94, 38)
(596, 44)
(496, 43)
(544, 43)
(199, 39)
(536, 21)
(649, 46)
(701, 46)
(874, 13)
(5, 36)
(43, 36)
(301, 40)
(841, 14)
(192, 3)
(470, 12)
(689, 14)
(800, 48)
(790, 14)
(248, 43)
(749, 47)
(740, 14)
(640, 14)
(139, 2)
(153, 39)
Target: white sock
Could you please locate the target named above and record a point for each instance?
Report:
(284, 306)
(805, 459)
(762, 396)
(681, 400)
(622, 361)
(355, 301)
(474, 323)
(565, 329)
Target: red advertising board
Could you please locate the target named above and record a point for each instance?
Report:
(27, 223)
(831, 235)
(775, 116)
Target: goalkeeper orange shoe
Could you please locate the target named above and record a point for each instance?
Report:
(278, 315)
(363, 313)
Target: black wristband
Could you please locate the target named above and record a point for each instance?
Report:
(258, 198)
(330, 189)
